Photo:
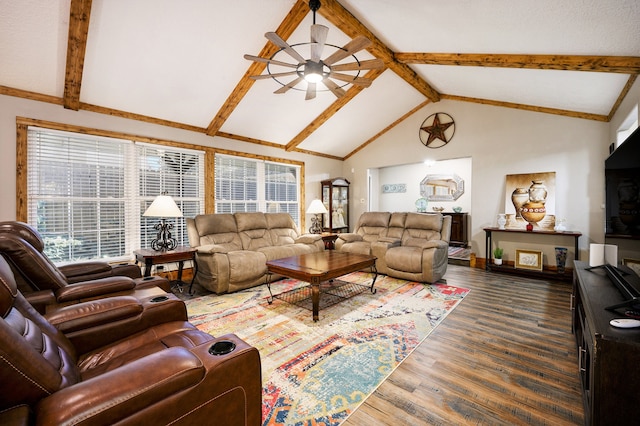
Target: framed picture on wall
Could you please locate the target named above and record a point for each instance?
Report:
(529, 259)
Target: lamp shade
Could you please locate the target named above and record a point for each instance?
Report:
(163, 206)
(317, 207)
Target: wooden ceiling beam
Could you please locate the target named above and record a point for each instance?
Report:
(335, 13)
(76, 50)
(616, 64)
(286, 28)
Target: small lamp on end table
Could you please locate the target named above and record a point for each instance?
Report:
(163, 207)
(316, 208)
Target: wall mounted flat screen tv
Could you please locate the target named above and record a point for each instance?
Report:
(622, 186)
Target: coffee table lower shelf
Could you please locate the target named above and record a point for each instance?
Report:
(333, 292)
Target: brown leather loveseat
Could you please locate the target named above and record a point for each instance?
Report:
(168, 373)
(45, 284)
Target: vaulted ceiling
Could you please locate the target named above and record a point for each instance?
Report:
(180, 63)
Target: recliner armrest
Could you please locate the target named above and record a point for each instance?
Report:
(125, 391)
(40, 299)
(100, 287)
(73, 270)
(94, 313)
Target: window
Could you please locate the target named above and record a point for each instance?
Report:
(250, 185)
(86, 194)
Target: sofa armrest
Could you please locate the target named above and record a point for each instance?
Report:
(125, 391)
(349, 237)
(94, 288)
(308, 238)
(427, 244)
(85, 315)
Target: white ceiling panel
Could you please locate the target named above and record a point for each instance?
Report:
(573, 27)
(372, 110)
(172, 60)
(33, 45)
(590, 92)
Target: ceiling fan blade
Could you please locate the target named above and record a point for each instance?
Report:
(269, 61)
(278, 41)
(318, 38)
(311, 91)
(335, 89)
(372, 64)
(358, 43)
(288, 86)
(360, 81)
(279, 74)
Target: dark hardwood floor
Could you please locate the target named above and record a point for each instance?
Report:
(504, 356)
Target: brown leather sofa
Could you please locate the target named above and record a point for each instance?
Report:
(167, 373)
(44, 284)
(410, 246)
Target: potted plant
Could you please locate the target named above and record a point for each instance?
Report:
(497, 255)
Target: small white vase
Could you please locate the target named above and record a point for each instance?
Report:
(502, 220)
(497, 261)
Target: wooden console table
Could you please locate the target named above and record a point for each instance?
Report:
(567, 276)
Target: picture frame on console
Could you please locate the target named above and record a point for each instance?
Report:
(528, 259)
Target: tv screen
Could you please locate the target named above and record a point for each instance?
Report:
(622, 186)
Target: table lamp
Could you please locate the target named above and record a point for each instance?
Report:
(163, 207)
(316, 208)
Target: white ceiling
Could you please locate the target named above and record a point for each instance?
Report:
(181, 60)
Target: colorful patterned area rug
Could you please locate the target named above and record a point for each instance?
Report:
(319, 373)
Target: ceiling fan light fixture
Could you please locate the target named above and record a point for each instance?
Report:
(313, 72)
(316, 70)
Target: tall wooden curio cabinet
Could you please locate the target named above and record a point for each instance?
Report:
(335, 196)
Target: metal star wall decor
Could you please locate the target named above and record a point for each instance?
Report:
(437, 130)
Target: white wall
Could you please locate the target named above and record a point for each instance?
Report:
(412, 175)
(316, 168)
(504, 141)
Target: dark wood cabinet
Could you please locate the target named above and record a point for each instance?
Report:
(335, 197)
(459, 232)
(608, 357)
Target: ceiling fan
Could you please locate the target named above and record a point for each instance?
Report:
(315, 70)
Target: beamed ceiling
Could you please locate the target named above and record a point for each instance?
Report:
(180, 63)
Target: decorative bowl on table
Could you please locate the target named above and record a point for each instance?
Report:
(457, 209)
(438, 209)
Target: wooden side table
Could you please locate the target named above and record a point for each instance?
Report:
(329, 239)
(180, 254)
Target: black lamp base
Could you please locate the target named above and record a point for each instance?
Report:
(316, 225)
(163, 240)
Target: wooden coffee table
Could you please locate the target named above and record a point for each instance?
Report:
(320, 270)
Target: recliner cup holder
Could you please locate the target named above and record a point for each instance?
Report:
(159, 299)
(222, 347)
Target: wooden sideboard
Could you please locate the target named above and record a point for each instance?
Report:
(608, 357)
(459, 229)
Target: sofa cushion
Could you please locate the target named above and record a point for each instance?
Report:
(420, 227)
(403, 258)
(245, 265)
(396, 225)
(249, 221)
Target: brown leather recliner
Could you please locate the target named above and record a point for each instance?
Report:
(43, 283)
(168, 373)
